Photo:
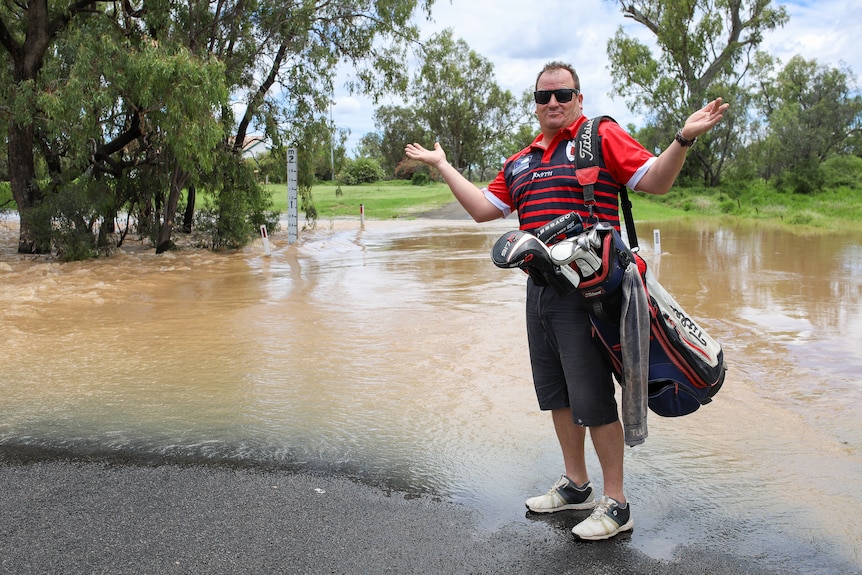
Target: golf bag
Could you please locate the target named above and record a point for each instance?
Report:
(686, 365)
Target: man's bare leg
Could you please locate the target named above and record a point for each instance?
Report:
(610, 444)
(571, 437)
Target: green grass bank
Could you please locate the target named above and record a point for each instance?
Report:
(833, 209)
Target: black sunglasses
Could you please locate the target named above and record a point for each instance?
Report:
(562, 95)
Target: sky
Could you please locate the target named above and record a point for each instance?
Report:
(520, 37)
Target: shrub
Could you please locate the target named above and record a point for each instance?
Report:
(805, 218)
(841, 171)
(270, 168)
(235, 207)
(728, 206)
(76, 213)
(406, 169)
(361, 171)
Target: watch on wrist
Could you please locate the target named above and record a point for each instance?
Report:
(682, 141)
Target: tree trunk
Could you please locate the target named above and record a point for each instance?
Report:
(34, 230)
(178, 180)
(188, 216)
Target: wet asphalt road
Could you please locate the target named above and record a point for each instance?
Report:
(76, 516)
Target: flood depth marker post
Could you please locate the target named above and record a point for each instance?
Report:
(656, 242)
(265, 238)
(292, 206)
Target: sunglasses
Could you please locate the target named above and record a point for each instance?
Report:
(562, 95)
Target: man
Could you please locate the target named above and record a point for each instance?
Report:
(572, 379)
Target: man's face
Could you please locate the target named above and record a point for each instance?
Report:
(554, 115)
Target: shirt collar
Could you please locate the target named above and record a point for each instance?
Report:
(570, 132)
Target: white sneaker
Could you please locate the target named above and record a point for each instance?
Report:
(563, 495)
(607, 519)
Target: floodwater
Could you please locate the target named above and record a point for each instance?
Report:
(395, 352)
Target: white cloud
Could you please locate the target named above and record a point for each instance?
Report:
(826, 30)
(519, 38)
(345, 105)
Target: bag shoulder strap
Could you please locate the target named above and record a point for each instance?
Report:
(587, 160)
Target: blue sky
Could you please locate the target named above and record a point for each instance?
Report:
(519, 37)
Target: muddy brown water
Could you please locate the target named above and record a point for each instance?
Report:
(396, 351)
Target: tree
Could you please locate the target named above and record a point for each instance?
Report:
(812, 112)
(525, 129)
(398, 126)
(704, 47)
(459, 102)
(280, 58)
(371, 146)
(27, 31)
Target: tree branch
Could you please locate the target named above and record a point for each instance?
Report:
(254, 102)
(631, 12)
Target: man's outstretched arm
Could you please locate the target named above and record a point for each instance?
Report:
(662, 174)
(468, 194)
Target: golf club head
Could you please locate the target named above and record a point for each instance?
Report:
(576, 252)
(523, 250)
(516, 248)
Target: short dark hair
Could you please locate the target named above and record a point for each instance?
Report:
(556, 65)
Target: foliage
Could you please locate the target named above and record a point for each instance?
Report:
(455, 101)
(74, 216)
(811, 112)
(458, 100)
(398, 126)
(6, 200)
(408, 169)
(420, 179)
(360, 171)
(371, 146)
(842, 172)
(702, 47)
(123, 92)
(515, 138)
(235, 207)
(271, 168)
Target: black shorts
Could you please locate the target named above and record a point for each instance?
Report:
(569, 369)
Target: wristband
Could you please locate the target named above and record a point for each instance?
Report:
(682, 141)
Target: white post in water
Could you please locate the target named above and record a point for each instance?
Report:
(292, 205)
(263, 235)
(362, 214)
(656, 241)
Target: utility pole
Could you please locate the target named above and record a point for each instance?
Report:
(332, 140)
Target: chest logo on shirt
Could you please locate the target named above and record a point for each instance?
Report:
(570, 151)
(543, 174)
(521, 165)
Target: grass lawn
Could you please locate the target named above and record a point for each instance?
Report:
(382, 200)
